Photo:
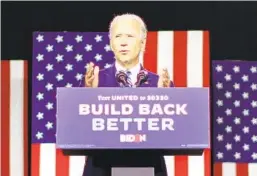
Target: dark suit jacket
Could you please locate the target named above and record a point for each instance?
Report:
(124, 158)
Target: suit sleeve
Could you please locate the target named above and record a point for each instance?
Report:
(172, 84)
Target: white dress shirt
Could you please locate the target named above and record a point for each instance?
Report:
(134, 71)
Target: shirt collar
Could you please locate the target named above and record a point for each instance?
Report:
(135, 69)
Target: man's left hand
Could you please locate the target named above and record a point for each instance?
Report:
(164, 79)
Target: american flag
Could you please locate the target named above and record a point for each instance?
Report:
(235, 113)
(59, 59)
(14, 118)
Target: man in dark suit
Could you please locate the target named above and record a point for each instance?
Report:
(127, 39)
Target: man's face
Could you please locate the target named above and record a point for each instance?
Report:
(126, 41)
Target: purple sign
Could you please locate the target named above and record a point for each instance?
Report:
(127, 118)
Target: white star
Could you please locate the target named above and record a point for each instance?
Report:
(220, 137)
(98, 38)
(49, 106)
(69, 67)
(79, 57)
(49, 86)
(228, 94)
(40, 76)
(50, 48)
(237, 120)
(236, 103)
(98, 57)
(59, 39)
(79, 38)
(254, 86)
(40, 115)
(228, 146)
(245, 95)
(59, 58)
(107, 65)
(40, 57)
(254, 138)
(228, 129)
(49, 67)
(40, 38)
(228, 112)
(59, 77)
(79, 76)
(219, 103)
(245, 112)
(236, 69)
(228, 77)
(88, 47)
(245, 78)
(219, 120)
(68, 85)
(253, 69)
(40, 96)
(237, 155)
(219, 155)
(107, 48)
(254, 156)
(246, 147)
(49, 125)
(219, 85)
(237, 138)
(254, 104)
(69, 48)
(246, 129)
(219, 68)
(254, 121)
(236, 86)
(39, 135)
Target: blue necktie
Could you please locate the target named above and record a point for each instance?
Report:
(130, 84)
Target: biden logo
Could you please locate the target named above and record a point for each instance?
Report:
(137, 138)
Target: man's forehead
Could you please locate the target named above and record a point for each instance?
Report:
(127, 22)
(126, 28)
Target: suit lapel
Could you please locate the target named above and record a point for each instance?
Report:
(149, 82)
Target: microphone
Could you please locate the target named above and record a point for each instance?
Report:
(142, 77)
(122, 78)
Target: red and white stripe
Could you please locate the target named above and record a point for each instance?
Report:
(186, 55)
(14, 118)
(49, 161)
(235, 169)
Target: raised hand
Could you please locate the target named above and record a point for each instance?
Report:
(164, 79)
(92, 75)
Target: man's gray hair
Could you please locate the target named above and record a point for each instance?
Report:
(131, 16)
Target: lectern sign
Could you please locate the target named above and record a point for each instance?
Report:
(119, 118)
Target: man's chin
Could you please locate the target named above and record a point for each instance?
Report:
(125, 61)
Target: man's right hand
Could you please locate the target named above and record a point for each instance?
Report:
(92, 75)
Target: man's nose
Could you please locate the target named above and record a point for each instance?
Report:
(123, 41)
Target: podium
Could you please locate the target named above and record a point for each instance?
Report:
(164, 121)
